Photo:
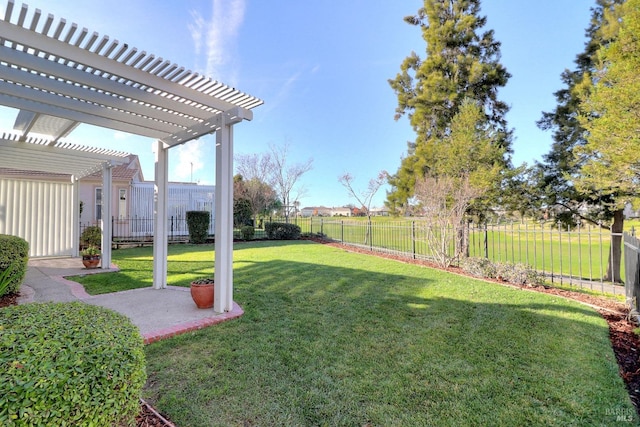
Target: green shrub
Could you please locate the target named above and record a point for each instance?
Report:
(247, 232)
(14, 255)
(91, 236)
(198, 225)
(68, 364)
(282, 231)
(519, 274)
(479, 267)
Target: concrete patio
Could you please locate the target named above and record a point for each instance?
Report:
(158, 313)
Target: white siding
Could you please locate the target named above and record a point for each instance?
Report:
(39, 212)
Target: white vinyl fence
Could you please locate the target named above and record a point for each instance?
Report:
(39, 212)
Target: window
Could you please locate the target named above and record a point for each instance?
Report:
(122, 203)
(98, 211)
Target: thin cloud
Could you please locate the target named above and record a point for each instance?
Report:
(214, 39)
(190, 157)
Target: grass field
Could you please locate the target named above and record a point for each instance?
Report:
(336, 338)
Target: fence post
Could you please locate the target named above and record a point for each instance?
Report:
(342, 230)
(370, 236)
(413, 239)
(486, 241)
(321, 226)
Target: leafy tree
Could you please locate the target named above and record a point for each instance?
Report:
(610, 160)
(461, 63)
(241, 204)
(550, 185)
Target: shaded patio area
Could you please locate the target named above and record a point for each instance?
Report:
(157, 315)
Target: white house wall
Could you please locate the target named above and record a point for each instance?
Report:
(39, 212)
(88, 197)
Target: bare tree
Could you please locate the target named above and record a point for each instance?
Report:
(285, 177)
(254, 166)
(445, 201)
(265, 173)
(364, 198)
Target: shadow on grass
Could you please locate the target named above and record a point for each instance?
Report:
(341, 345)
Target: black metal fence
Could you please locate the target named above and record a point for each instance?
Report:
(136, 230)
(576, 257)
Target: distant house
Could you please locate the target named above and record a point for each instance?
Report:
(341, 211)
(324, 211)
(383, 211)
(123, 177)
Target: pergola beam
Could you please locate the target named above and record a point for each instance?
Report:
(47, 158)
(78, 116)
(90, 84)
(231, 117)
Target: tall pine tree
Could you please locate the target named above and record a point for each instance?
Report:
(554, 178)
(462, 62)
(610, 160)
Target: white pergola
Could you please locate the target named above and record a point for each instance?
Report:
(59, 75)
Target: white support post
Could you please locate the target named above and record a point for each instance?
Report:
(75, 214)
(223, 275)
(106, 215)
(160, 217)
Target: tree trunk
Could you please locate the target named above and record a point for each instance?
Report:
(462, 243)
(615, 254)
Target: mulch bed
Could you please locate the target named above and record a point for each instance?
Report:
(625, 343)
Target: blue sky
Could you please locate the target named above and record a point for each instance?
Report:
(322, 69)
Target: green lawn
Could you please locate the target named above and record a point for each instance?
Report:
(335, 338)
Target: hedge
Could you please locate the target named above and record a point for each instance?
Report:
(69, 364)
(14, 255)
(247, 232)
(282, 231)
(198, 225)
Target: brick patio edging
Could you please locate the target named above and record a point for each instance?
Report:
(194, 325)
